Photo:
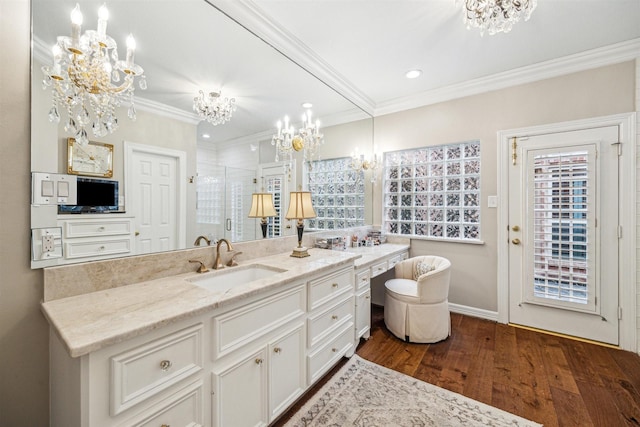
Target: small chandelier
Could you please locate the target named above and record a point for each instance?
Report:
(85, 78)
(308, 140)
(213, 108)
(494, 16)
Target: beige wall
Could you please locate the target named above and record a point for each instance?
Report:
(24, 363)
(599, 92)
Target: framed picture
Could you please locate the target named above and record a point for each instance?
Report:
(93, 159)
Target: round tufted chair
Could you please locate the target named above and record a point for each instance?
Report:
(416, 306)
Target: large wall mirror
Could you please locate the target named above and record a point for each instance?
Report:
(184, 47)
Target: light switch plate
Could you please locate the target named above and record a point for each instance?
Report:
(492, 201)
(44, 185)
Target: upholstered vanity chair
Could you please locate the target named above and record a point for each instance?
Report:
(416, 306)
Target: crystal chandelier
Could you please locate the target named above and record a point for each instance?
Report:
(85, 78)
(494, 16)
(308, 140)
(213, 108)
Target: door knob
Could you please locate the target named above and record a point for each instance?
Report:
(515, 228)
(516, 241)
(137, 233)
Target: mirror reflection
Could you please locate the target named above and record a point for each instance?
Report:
(178, 176)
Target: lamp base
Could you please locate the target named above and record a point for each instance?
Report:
(300, 252)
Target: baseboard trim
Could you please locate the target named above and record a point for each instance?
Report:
(473, 311)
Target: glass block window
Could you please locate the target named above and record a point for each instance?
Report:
(337, 194)
(433, 192)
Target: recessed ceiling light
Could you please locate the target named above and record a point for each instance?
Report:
(307, 105)
(412, 74)
(206, 136)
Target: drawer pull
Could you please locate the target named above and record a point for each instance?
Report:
(367, 297)
(101, 228)
(102, 248)
(334, 317)
(335, 285)
(165, 425)
(277, 350)
(334, 349)
(165, 365)
(258, 361)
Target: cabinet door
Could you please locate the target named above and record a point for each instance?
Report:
(240, 393)
(286, 370)
(363, 313)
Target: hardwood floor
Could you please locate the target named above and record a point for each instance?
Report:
(551, 380)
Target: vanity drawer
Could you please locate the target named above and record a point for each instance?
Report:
(325, 357)
(363, 279)
(239, 327)
(92, 248)
(379, 268)
(146, 370)
(183, 408)
(75, 229)
(326, 288)
(396, 259)
(325, 323)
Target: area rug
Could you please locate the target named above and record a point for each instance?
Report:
(363, 394)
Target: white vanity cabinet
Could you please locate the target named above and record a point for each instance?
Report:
(258, 359)
(363, 303)
(330, 322)
(257, 386)
(242, 364)
(153, 379)
(95, 236)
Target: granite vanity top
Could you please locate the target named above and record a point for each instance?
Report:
(89, 322)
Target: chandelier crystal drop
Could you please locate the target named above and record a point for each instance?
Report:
(214, 108)
(308, 139)
(89, 81)
(494, 16)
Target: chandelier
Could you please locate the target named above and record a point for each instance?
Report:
(308, 140)
(213, 108)
(89, 81)
(494, 16)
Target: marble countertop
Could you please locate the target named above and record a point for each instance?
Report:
(86, 323)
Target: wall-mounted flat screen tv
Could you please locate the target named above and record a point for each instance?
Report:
(94, 196)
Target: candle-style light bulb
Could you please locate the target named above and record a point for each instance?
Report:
(57, 57)
(76, 25)
(103, 17)
(279, 128)
(286, 123)
(131, 48)
(309, 117)
(317, 127)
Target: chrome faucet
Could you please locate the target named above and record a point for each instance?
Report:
(218, 262)
(201, 238)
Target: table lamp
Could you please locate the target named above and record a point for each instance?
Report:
(300, 208)
(262, 207)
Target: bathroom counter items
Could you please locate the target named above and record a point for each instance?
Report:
(89, 322)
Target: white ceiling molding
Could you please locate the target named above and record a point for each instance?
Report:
(254, 19)
(143, 104)
(608, 55)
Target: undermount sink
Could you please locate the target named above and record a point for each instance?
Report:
(230, 277)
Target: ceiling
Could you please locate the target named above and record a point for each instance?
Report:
(369, 45)
(360, 48)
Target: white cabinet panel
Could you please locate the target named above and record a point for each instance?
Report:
(287, 380)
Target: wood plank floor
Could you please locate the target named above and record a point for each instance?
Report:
(551, 380)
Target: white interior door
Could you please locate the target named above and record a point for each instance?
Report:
(563, 233)
(155, 197)
(275, 180)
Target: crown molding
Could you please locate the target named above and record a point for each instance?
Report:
(249, 15)
(608, 55)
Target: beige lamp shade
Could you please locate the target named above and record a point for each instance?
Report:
(300, 206)
(261, 205)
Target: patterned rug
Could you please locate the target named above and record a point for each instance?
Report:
(365, 394)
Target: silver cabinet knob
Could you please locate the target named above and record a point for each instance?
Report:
(165, 365)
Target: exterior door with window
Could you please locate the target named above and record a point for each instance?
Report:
(563, 231)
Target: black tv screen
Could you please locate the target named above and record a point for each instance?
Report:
(94, 196)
